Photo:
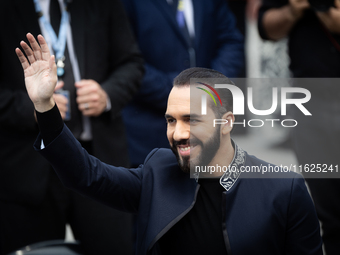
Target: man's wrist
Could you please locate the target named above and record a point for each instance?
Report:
(50, 124)
(44, 106)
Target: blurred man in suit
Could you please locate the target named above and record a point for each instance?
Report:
(102, 69)
(174, 35)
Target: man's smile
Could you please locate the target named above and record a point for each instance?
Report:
(184, 150)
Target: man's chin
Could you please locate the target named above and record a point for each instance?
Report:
(185, 169)
(183, 161)
(184, 164)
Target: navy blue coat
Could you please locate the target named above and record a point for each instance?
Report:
(218, 45)
(261, 216)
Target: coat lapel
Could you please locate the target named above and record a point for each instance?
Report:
(176, 185)
(199, 15)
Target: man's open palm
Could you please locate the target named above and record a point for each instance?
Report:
(40, 72)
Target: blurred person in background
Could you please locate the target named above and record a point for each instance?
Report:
(99, 69)
(313, 28)
(174, 35)
(244, 10)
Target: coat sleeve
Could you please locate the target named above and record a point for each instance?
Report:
(117, 187)
(303, 231)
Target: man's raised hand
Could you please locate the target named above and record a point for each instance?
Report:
(40, 72)
(331, 18)
(298, 7)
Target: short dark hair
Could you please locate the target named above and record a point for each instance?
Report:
(210, 77)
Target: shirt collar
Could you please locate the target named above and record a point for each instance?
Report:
(232, 173)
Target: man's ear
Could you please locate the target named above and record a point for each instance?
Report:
(227, 127)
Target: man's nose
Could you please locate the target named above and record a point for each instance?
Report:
(182, 131)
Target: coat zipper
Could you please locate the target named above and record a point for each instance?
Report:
(224, 224)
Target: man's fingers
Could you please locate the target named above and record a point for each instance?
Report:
(84, 83)
(22, 58)
(89, 111)
(60, 84)
(44, 48)
(53, 69)
(337, 4)
(85, 87)
(51, 64)
(61, 102)
(60, 99)
(35, 46)
(35, 53)
(84, 91)
(305, 5)
(84, 99)
(28, 52)
(63, 115)
(84, 106)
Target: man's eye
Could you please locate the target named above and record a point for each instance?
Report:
(169, 121)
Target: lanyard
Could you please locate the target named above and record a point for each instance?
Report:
(58, 43)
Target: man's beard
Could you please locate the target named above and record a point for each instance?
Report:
(208, 151)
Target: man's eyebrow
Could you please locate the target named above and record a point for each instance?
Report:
(196, 116)
(193, 115)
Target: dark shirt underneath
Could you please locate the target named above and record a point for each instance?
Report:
(200, 230)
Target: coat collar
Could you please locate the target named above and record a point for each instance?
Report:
(233, 172)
